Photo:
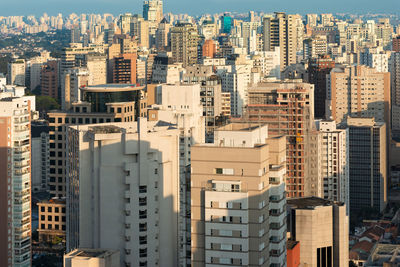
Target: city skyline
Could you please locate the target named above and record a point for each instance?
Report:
(25, 7)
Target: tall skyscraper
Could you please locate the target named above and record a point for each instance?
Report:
(15, 183)
(153, 10)
(395, 92)
(287, 108)
(318, 68)
(335, 161)
(281, 31)
(238, 198)
(127, 196)
(367, 164)
(184, 43)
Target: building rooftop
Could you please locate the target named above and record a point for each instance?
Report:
(90, 253)
(290, 244)
(244, 127)
(111, 87)
(309, 202)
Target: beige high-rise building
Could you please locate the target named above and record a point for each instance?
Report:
(16, 72)
(15, 182)
(140, 29)
(184, 42)
(238, 213)
(97, 67)
(162, 35)
(283, 31)
(124, 194)
(358, 91)
(322, 229)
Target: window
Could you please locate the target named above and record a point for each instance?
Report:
(142, 227)
(142, 201)
(42, 217)
(142, 189)
(224, 171)
(49, 209)
(143, 240)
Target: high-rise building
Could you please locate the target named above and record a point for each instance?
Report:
(180, 105)
(211, 95)
(378, 60)
(49, 79)
(209, 49)
(140, 29)
(126, 197)
(15, 182)
(281, 31)
(125, 69)
(335, 161)
(162, 35)
(395, 92)
(318, 68)
(358, 91)
(101, 104)
(16, 72)
(153, 10)
(227, 23)
(287, 108)
(96, 64)
(238, 214)
(314, 47)
(367, 164)
(73, 79)
(184, 43)
(322, 229)
(41, 149)
(396, 44)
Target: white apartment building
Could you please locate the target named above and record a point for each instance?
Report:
(235, 79)
(123, 190)
(15, 182)
(374, 59)
(180, 105)
(335, 162)
(268, 62)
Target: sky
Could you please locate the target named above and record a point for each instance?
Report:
(197, 7)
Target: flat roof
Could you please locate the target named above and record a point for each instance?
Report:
(114, 87)
(309, 202)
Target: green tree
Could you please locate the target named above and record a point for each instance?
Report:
(46, 103)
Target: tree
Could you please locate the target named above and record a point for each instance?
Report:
(46, 103)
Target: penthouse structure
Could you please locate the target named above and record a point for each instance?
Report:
(238, 214)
